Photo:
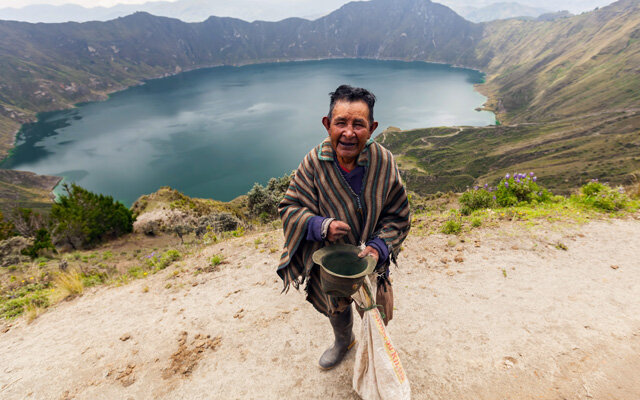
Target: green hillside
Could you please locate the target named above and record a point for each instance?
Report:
(564, 154)
(26, 189)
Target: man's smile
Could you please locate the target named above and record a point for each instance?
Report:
(347, 144)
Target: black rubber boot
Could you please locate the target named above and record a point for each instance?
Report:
(342, 324)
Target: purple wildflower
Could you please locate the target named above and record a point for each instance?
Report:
(486, 185)
(531, 173)
(535, 178)
(494, 197)
(475, 188)
(507, 176)
(506, 184)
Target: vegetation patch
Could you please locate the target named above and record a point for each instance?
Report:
(216, 260)
(83, 219)
(13, 303)
(156, 261)
(603, 197)
(263, 201)
(478, 207)
(519, 188)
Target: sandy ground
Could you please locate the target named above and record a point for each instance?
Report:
(503, 315)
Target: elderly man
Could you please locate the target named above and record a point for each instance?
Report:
(346, 190)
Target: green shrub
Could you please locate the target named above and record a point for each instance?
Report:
(592, 187)
(476, 222)
(42, 241)
(263, 201)
(238, 232)
(210, 236)
(476, 199)
(171, 255)
(136, 272)
(162, 261)
(83, 219)
(16, 301)
(520, 188)
(452, 226)
(216, 260)
(14, 307)
(94, 279)
(602, 196)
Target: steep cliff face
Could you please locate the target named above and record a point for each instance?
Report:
(543, 71)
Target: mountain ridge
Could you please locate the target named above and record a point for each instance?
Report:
(53, 66)
(185, 10)
(537, 71)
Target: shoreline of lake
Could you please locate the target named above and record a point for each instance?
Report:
(265, 63)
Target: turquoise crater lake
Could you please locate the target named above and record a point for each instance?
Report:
(214, 132)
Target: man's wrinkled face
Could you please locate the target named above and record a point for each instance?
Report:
(349, 129)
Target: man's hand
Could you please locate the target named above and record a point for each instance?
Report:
(369, 251)
(337, 229)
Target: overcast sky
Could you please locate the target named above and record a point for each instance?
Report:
(84, 3)
(574, 6)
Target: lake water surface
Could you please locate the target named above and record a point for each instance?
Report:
(214, 132)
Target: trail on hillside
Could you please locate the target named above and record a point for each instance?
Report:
(506, 313)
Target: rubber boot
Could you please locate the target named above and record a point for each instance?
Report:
(342, 324)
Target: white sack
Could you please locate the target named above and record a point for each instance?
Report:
(377, 373)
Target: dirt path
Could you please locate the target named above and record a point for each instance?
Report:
(515, 317)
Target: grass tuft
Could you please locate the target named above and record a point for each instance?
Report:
(216, 260)
(69, 284)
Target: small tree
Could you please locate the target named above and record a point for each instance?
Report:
(82, 218)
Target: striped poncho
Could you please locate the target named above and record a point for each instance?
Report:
(319, 188)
